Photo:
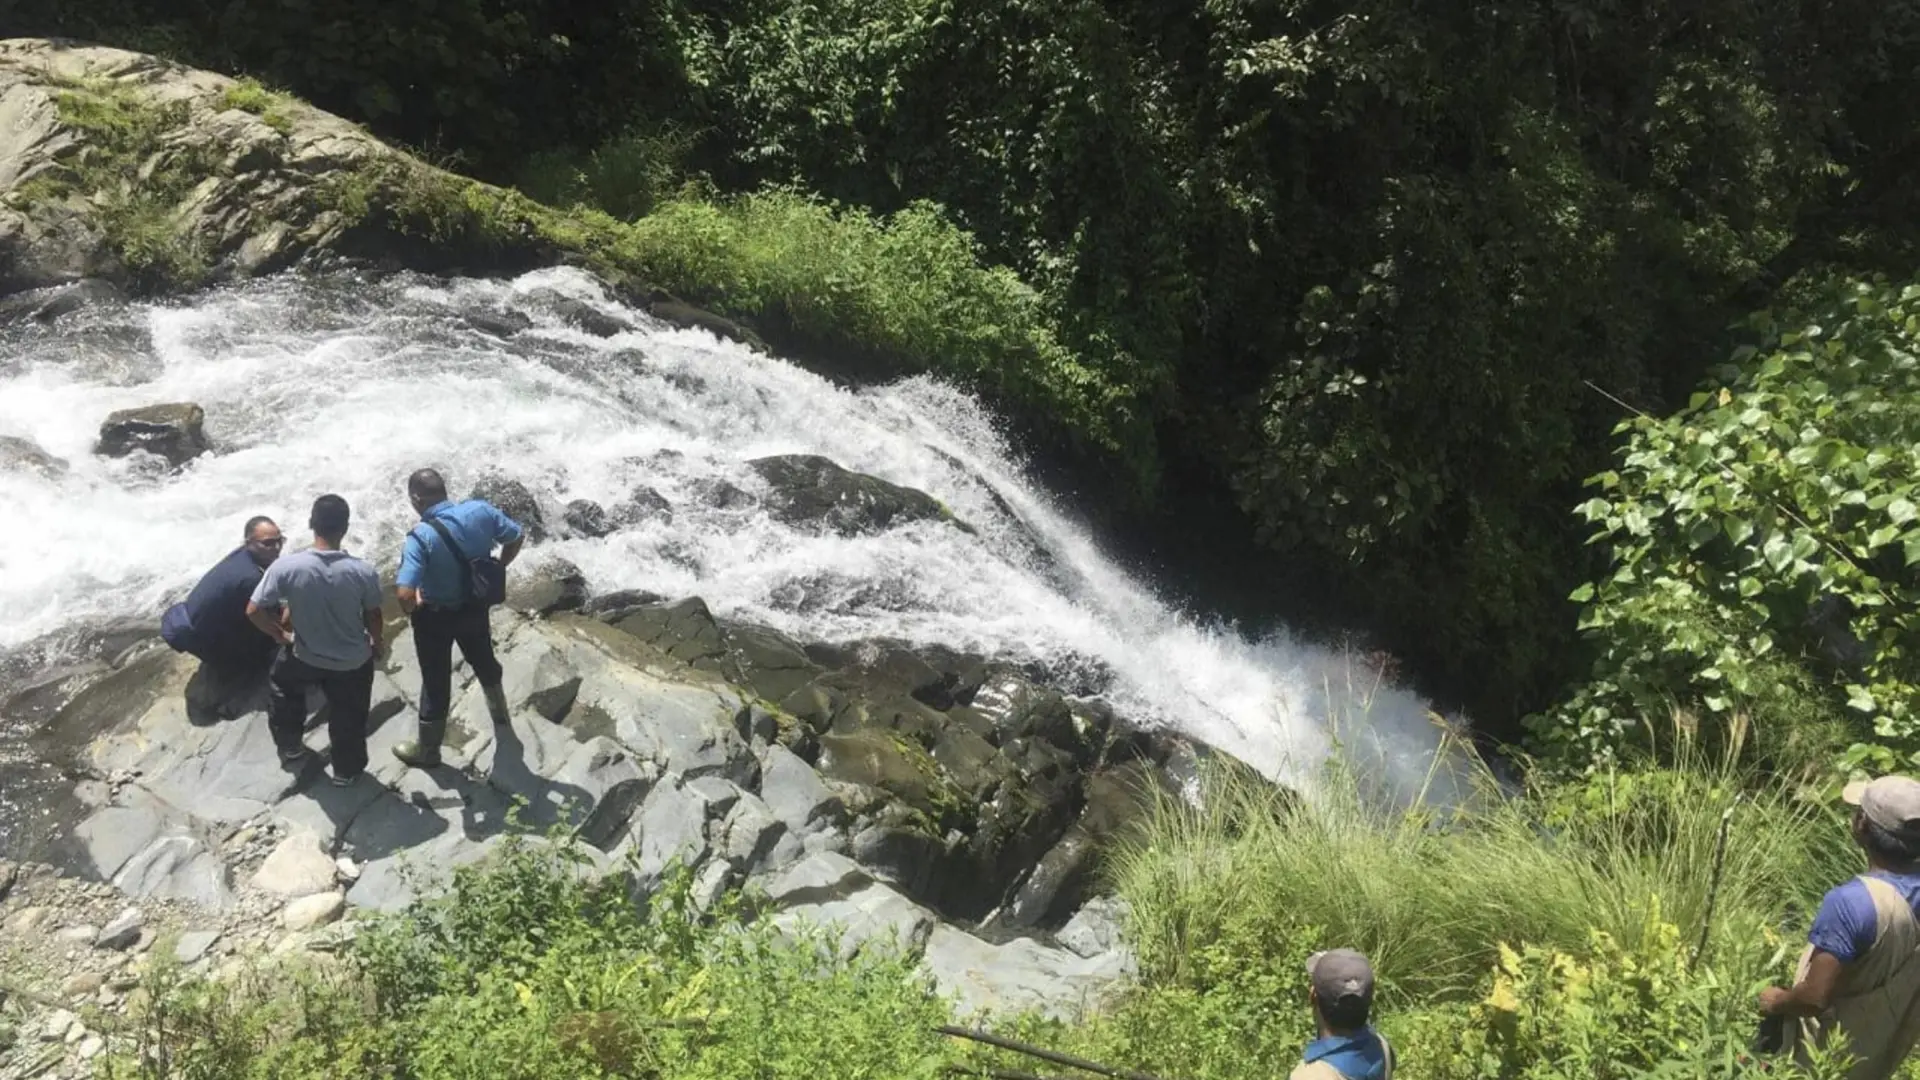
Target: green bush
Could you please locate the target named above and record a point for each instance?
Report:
(531, 967)
(1764, 541)
(909, 288)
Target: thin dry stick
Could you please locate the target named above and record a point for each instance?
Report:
(1713, 882)
(1044, 1054)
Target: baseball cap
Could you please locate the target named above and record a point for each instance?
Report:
(1338, 974)
(1891, 802)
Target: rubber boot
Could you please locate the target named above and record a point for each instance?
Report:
(497, 705)
(424, 752)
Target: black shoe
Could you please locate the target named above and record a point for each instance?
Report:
(294, 756)
(345, 781)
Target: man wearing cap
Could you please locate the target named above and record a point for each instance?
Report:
(1340, 987)
(1861, 971)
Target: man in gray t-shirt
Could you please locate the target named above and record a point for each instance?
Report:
(332, 600)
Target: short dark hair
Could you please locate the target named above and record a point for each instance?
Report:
(330, 517)
(254, 523)
(427, 484)
(1348, 1013)
(1891, 847)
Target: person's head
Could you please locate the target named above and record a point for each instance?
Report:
(263, 540)
(330, 518)
(426, 489)
(1886, 819)
(1340, 985)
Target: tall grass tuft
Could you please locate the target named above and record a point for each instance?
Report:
(1431, 895)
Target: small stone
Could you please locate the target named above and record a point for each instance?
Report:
(90, 1047)
(122, 932)
(9, 874)
(311, 911)
(75, 1032)
(243, 837)
(54, 1027)
(77, 935)
(82, 984)
(296, 868)
(193, 945)
(347, 868)
(27, 920)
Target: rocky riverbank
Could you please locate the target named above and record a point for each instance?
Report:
(915, 798)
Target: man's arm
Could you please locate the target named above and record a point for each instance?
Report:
(1808, 997)
(376, 628)
(269, 622)
(510, 552)
(508, 534)
(413, 558)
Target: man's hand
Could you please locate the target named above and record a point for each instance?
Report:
(511, 552)
(1771, 999)
(376, 629)
(409, 598)
(270, 622)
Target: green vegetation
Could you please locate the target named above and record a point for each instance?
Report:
(1764, 543)
(134, 178)
(249, 96)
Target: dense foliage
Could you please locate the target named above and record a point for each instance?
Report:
(1354, 264)
(1765, 540)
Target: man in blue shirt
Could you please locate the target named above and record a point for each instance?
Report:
(1341, 991)
(211, 623)
(435, 589)
(1860, 973)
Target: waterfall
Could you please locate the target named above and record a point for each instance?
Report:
(315, 385)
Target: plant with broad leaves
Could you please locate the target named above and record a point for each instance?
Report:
(1764, 540)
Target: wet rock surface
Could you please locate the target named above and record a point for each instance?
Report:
(175, 433)
(810, 490)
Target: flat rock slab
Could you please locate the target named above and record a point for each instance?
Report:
(1019, 976)
(296, 867)
(873, 916)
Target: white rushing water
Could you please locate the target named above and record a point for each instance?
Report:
(313, 386)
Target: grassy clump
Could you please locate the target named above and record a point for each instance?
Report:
(137, 177)
(528, 967)
(249, 96)
(910, 286)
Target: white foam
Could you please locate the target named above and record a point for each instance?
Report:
(315, 387)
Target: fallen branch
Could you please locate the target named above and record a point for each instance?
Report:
(1044, 1054)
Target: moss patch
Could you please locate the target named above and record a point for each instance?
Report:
(137, 176)
(249, 96)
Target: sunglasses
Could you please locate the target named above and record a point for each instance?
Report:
(273, 543)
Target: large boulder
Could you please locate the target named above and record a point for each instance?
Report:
(232, 182)
(810, 491)
(174, 433)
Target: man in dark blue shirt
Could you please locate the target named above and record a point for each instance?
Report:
(212, 622)
(1340, 988)
(435, 590)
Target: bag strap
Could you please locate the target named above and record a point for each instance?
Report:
(466, 564)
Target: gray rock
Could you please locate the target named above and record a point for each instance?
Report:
(683, 629)
(747, 835)
(55, 1025)
(296, 867)
(172, 432)
(123, 932)
(311, 911)
(557, 586)
(193, 945)
(1097, 928)
(584, 517)
(1020, 976)
(90, 1047)
(513, 499)
(672, 825)
(794, 792)
(874, 917)
(82, 984)
(9, 873)
(809, 490)
(721, 795)
(712, 883)
(83, 934)
(586, 317)
(18, 454)
(817, 879)
(645, 504)
(501, 324)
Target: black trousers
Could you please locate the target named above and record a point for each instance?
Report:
(435, 632)
(349, 695)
